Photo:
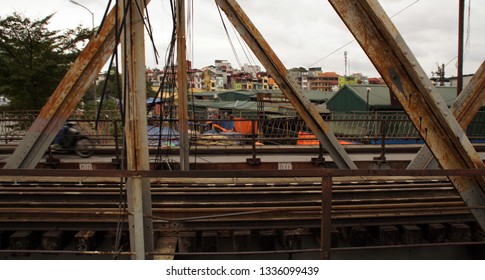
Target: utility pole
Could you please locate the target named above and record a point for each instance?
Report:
(182, 87)
(461, 24)
(442, 75)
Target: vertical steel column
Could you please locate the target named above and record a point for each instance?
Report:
(464, 110)
(66, 96)
(138, 188)
(326, 222)
(290, 89)
(407, 80)
(183, 116)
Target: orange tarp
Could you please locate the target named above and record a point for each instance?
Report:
(244, 127)
(305, 138)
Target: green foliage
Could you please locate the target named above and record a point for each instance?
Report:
(150, 91)
(299, 69)
(33, 59)
(109, 110)
(113, 89)
(110, 85)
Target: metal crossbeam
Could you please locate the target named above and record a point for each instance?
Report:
(464, 110)
(278, 72)
(385, 47)
(66, 96)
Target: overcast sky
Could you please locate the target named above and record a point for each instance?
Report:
(302, 33)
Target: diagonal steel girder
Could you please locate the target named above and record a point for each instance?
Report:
(464, 110)
(66, 96)
(387, 50)
(278, 72)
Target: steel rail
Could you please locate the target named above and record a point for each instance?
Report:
(317, 250)
(258, 207)
(66, 252)
(243, 253)
(23, 173)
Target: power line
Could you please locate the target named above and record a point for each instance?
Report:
(400, 11)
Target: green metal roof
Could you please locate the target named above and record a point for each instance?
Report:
(233, 95)
(316, 96)
(380, 96)
(235, 105)
(319, 96)
(449, 94)
(205, 93)
(230, 95)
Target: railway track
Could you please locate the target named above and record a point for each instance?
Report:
(262, 206)
(223, 206)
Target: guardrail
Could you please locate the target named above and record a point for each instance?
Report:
(348, 128)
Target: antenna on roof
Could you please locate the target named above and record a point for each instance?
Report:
(345, 55)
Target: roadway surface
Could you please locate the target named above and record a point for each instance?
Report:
(235, 154)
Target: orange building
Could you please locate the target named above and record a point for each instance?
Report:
(324, 81)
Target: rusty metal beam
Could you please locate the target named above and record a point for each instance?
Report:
(183, 116)
(278, 72)
(464, 110)
(66, 96)
(389, 53)
(326, 222)
(137, 157)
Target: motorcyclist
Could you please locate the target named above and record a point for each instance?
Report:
(57, 143)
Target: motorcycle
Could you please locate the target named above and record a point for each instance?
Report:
(71, 139)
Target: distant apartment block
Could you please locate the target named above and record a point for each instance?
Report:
(222, 76)
(251, 69)
(326, 81)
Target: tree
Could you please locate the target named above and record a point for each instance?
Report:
(110, 84)
(298, 69)
(33, 60)
(112, 89)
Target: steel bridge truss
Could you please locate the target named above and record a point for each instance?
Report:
(378, 37)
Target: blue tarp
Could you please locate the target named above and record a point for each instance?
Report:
(168, 136)
(150, 100)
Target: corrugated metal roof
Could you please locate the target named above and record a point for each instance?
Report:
(235, 105)
(230, 95)
(448, 94)
(313, 95)
(316, 96)
(379, 95)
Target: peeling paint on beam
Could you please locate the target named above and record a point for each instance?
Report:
(407, 80)
(66, 96)
(278, 71)
(396, 63)
(466, 106)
